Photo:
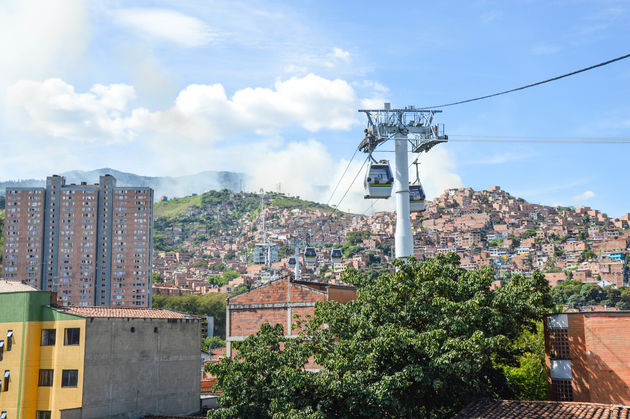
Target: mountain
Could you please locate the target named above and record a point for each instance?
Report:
(170, 187)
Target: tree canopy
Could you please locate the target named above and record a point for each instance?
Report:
(420, 342)
(212, 304)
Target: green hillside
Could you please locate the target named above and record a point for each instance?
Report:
(177, 206)
(244, 201)
(195, 219)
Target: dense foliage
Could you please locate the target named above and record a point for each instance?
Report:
(577, 294)
(420, 342)
(223, 279)
(212, 304)
(214, 342)
(528, 379)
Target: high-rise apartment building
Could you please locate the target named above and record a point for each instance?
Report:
(89, 243)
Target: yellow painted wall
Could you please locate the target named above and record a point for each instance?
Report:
(59, 357)
(11, 361)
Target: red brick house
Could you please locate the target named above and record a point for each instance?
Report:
(587, 356)
(276, 303)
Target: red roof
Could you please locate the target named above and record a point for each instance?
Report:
(508, 409)
(124, 312)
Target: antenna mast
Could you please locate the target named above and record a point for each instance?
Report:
(405, 126)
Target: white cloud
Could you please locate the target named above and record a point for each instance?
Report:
(437, 172)
(341, 54)
(53, 108)
(205, 113)
(584, 196)
(295, 69)
(39, 38)
(166, 25)
(201, 113)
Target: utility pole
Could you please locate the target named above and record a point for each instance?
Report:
(410, 125)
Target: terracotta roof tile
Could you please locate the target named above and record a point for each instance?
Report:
(126, 312)
(488, 409)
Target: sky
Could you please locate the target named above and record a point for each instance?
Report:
(272, 89)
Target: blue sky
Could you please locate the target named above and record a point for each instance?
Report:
(272, 89)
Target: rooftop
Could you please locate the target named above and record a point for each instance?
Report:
(124, 312)
(14, 286)
(541, 409)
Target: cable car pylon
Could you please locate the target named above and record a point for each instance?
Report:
(403, 126)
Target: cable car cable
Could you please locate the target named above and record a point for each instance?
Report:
(342, 175)
(350, 186)
(623, 57)
(540, 138)
(540, 141)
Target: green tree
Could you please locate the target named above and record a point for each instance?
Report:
(200, 264)
(419, 342)
(527, 234)
(212, 304)
(528, 380)
(563, 291)
(210, 343)
(356, 237)
(592, 294)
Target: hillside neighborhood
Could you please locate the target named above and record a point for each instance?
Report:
(214, 235)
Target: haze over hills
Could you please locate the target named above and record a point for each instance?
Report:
(179, 186)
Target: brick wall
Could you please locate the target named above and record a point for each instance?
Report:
(599, 351)
(245, 321)
(270, 304)
(601, 364)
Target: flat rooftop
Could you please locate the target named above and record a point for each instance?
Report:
(14, 286)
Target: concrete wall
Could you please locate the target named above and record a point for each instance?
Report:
(144, 372)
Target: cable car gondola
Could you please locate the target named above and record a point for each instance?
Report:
(292, 262)
(416, 193)
(379, 180)
(335, 256)
(310, 256)
(416, 198)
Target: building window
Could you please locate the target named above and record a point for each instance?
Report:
(6, 376)
(48, 337)
(43, 414)
(46, 378)
(69, 378)
(3, 415)
(71, 336)
(1, 349)
(9, 340)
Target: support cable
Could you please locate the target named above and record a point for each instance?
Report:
(349, 186)
(623, 57)
(341, 178)
(539, 138)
